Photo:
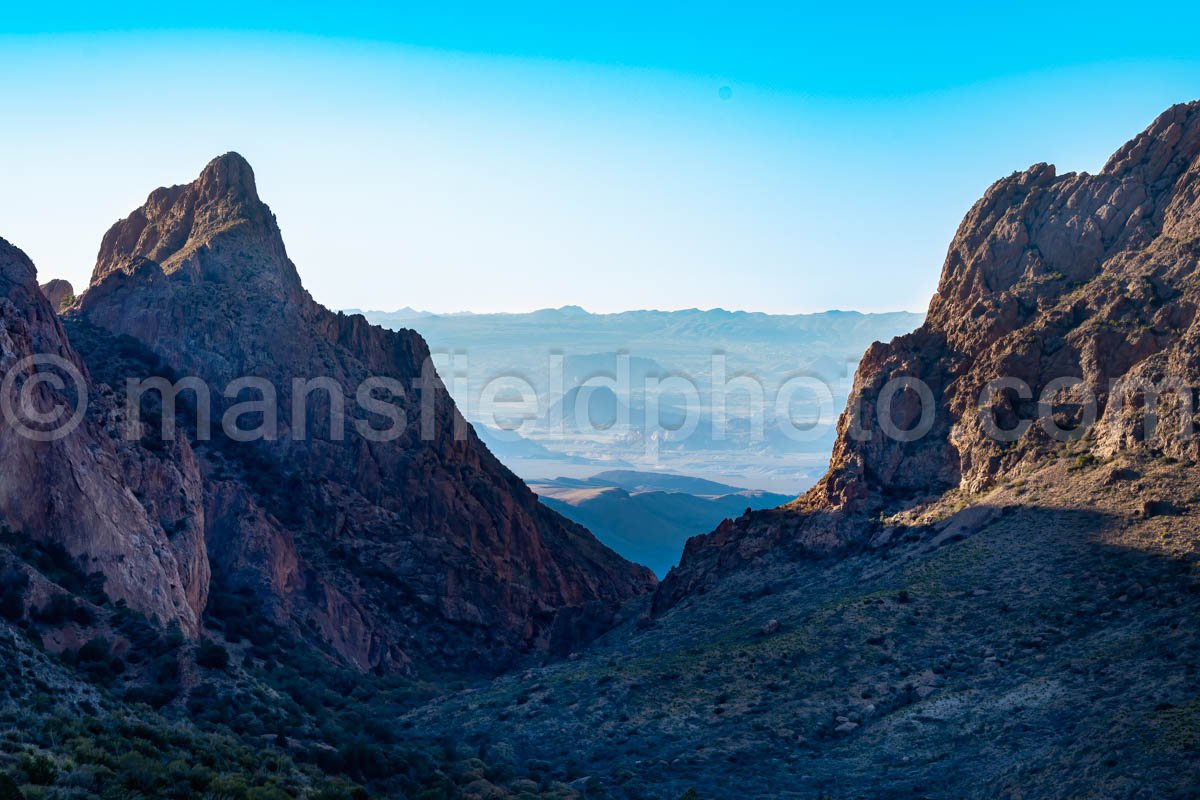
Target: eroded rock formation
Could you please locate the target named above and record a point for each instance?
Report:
(60, 293)
(1089, 278)
(420, 551)
(135, 516)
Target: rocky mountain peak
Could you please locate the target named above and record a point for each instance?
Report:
(17, 272)
(1078, 277)
(60, 293)
(468, 570)
(22, 299)
(214, 229)
(229, 176)
(1164, 150)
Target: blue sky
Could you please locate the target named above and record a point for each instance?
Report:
(460, 156)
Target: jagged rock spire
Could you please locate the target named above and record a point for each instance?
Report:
(217, 214)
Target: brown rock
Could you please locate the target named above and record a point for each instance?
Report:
(1121, 475)
(420, 550)
(60, 293)
(107, 501)
(1159, 508)
(1049, 276)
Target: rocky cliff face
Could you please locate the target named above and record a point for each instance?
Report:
(422, 551)
(1050, 277)
(60, 293)
(134, 516)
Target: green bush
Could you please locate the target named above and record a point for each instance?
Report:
(9, 789)
(212, 655)
(39, 770)
(13, 583)
(96, 650)
(139, 773)
(1083, 461)
(61, 609)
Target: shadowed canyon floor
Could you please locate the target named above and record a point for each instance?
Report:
(1040, 642)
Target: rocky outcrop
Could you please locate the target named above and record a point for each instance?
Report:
(134, 516)
(60, 293)
(421, 550)
(1087, 278)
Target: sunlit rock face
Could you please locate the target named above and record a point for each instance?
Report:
(1049, 277)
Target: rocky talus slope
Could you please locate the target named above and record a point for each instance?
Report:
(1049, 277)
(418, 553)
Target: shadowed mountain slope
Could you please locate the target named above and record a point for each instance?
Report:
(419, 551)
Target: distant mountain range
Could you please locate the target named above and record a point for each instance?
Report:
(629, 325)
(647, 517)
(557, 350)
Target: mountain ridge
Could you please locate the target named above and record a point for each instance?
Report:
(200, 276)
(1038, 285)
(645, 516)
(578, 311)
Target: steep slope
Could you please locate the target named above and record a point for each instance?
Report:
(134, 516)
(1089, 278)
(1041, 644)
(421, 551)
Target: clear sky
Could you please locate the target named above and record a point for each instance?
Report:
(506, 157)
